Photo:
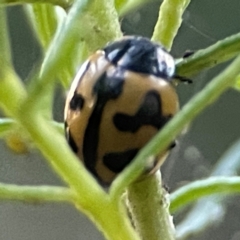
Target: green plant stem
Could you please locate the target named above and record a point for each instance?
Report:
(201, 188)
(59, 127)
(74, 30)
(60, 156)
(119, 4)
(4, 38)
(104, 24)
(91, 198)
(10, 83)
(149, 203)
(60, 47)
(160, 142)
(169, 21)
(5, 125)
(36, 194)
(237, 85)
(44, 21)
(56, 151)
(114, 222)
(206, 58)
(62, 3)
(71, 171)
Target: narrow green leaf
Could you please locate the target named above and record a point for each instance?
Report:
(5, 125)
(4, 38)
(169, 21)
(211, 56)
(202, 188)
(36, 194)
(44, 19)
(65, 4)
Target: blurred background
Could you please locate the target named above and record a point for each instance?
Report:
(200, 148)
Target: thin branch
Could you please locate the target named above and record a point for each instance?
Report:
(201, 188)
(237, 85)
(77, 27)
(209, 57)
(10, 83)
(5, 49)
(36, 194)
(44, 18)
(62, 3)
(149, 207)
(169, 21)
(5, 125)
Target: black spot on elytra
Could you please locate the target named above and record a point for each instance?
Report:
(117, 161)
(149, 113)
(106, 88)
(77, 102)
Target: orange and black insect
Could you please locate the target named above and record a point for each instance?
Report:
(120, 98)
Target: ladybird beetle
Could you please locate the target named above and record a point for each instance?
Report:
(119, 99)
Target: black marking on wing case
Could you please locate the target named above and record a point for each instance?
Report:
(77, 102)
(106, 88)
(117, 161)
(149, 113)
